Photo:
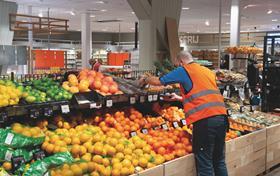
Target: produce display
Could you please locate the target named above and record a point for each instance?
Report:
(243, 50)
(226, 76)
(91, 80)
(10, 94)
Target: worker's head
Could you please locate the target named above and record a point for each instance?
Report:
(183, 57)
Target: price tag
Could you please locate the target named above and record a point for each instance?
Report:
(34, 113)
(156, 127)
(142, 99)
(241, 94)
(144, 130)
(132, 100)
(65, 109)
(227, 87)
(3, 117)
(241, 109)
(9, 138)
(8, 155)
(184, 122)
(17, 162)
(175, 125)
(229, 112)
(109, 103)
(155, 97)
(247, 85)
(133, 133)
(150, 98)
(164, 126)
(226, 93)
(95, 105)
(39, 155)
(48, 112)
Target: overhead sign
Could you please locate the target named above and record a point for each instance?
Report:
(190, 39)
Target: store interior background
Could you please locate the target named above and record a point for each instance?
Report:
(110, 25)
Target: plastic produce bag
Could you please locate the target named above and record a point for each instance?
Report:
(14, 140)
(41, 167)
(7, 153)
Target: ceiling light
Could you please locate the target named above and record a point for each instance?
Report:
(104, 29)
(274, 20)
(185, 8)
(198, 31)
(207, 23)
(99, 2)
(40, 14)
(269, 12)
(132, 28)
(103, 10)
(227, 23)
(226, 14)
(273, 28)
(133, 12)
(250, 5)
(92, 16)
(72, 13)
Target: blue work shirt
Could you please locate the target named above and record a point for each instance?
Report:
(178, 75)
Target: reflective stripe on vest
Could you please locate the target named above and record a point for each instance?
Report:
(200, 94)
(203, 106)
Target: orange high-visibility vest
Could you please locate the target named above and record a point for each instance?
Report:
(204, 99)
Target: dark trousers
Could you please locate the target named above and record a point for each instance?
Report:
(209, 146)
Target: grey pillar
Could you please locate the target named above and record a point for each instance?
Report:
(86, 39)
(235, 23)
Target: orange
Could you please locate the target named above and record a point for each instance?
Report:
(143, 162)
(131, 170)
(50, 148)
(116, 172)
(74, 89)
(126, 163)
(119, 147)
(124, 171)
(75, 140)
(98, 159)
(83, 150)
(95, 173)
(127, 151)
(83, 166)
(111, 151)
(120, 156)
(150, 165)
(91, 166)
(75, 150)
(106, 162)
(86, 157)
(117, 166)
(76, 169)
(7, 166)
(63, 149)
(135, 162)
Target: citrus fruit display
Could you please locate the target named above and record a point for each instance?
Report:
(26, 130)
(10, 94)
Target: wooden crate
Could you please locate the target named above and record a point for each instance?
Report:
(155, 171)
(180, 167)
(246, 155)
(273, 146)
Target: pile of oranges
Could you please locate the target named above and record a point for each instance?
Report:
(105, 153)
(74, 85)
(172, 113)
(27, 131)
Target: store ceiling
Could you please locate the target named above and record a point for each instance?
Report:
(193, 16)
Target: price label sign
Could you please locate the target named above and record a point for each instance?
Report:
(133, 133)
(175, 125)
(242, 109)
(132, 100)
(155, 97)
(39, 155)
(227, 87)
(144, 130)
(48, 112)
(17, 161)
(226, 93)
(34, 113)
(142, 99)
(164, 126)
(156, 127)
(109, 103)
(229, 112)
(150, 98)
(184, 122)
(3, 117)
(65, 109)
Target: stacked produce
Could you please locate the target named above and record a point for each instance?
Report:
(226, 76)
(10, 94)
(243, 50)
(90, 80)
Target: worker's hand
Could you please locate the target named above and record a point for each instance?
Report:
(142, 81)
(172, 97)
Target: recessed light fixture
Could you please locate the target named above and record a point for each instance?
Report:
(92, 16)
(198, 31)
(207, 23)
(185, 8)
(273, 28)
(269, 12)
(103, 10)
(99, 2)
(133, 12)
(132, 28)
(72, 13)
(104, 29)
(274, 20)
(250, 5)
(227, 23)
(40, 14)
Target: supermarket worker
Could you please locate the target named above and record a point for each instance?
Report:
(204, 108)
